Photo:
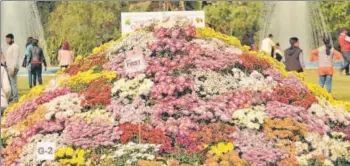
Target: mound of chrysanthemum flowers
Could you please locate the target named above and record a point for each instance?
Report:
(201, 100)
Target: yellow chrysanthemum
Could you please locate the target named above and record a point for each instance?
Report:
(69, 151)
(60, 152)
(86, 77)
(210, 33)
(34, 92)
(221, 148)
(78, 59)
(105, 46)
(322, 93)
(69, 156)
(215, 150)
(64, 161)
(80, 160)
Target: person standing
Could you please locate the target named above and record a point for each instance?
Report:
(344, 41)
(29, 47)
(35, 60)
(268, 44)
(248, 39)
(12, 64)
(65, 55)
(278, 52)
(5, 89)
(2, 59)
(325, 56)
(293, 56)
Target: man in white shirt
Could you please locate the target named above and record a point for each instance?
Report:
(268, 44)
(12, 64)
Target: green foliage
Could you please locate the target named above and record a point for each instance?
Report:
(193, 5)
(336, 14)
(45, 8)
(141, 6)
(232, 18)
(84, 24)
(187, 158)
(337, 17)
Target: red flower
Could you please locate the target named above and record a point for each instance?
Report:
(290, 95)
(98, 92)
(87, 63)
(145, 134)
(252, 62)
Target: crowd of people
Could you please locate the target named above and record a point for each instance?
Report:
(34, 60)
(293, 56)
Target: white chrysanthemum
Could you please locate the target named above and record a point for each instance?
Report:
(303, 160)
(210, 83)
(64, 106)
(335, 114)
(135, 152)
(252, 118)
(28, 156)
(137, 39)
(133, 87)
(331, 149)
(98, 113)
(301, 147)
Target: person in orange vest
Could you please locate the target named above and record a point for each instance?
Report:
(325, 56)
(344, 41)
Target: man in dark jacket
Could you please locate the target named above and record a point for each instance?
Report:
(248, 39)
(36, 59)
(293, 56)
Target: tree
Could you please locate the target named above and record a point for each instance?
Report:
(232, 18)
(45, 8)
(336, 14)
(337, 17)
(83, 24)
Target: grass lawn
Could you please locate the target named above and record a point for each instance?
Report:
(341, 84)
(23, 86)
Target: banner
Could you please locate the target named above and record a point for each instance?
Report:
(134, 61)
(130, 19)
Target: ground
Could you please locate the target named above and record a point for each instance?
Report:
(23, 86)
(341, 84)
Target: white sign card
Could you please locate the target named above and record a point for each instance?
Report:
(134, 61)
(45, 150)
(129, 19)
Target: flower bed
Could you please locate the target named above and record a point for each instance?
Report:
(199, 101)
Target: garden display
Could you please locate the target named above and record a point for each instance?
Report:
(193, 97)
